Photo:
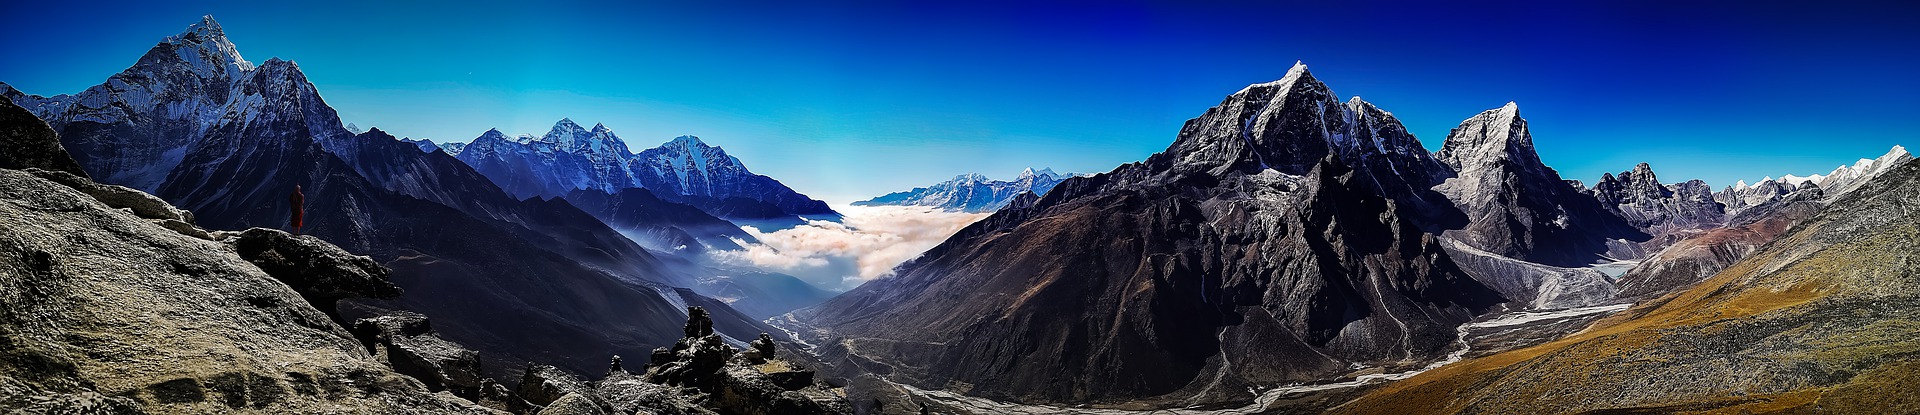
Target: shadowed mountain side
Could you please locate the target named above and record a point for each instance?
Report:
(1119, 286)
(658, 224)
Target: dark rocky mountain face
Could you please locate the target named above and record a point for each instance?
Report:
(658, 224)
(1249, 253)
(520, 280)
(1516, 206)
(1667, 213)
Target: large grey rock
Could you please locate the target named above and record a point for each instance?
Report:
(140, 203)
(407, 343)
(543, 384)
(102, 311)
(321, 272)
(629, 393)
(578, 404)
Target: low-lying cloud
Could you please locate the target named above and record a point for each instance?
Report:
(866, 244)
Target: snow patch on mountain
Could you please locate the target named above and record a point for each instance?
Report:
(972, 192)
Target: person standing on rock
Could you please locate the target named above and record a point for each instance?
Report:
(296, 203)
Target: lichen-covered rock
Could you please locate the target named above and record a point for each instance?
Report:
(321, 272)
(578, 404)
(696, 363)
(142, 204)
(407, 343)
(497, 396)
(629, 392)
(543, 384)
(763, 349)
(700, 375)
(103, 311)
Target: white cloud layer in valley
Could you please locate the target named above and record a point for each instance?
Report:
(867, 243)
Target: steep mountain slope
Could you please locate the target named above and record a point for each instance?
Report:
(1248, 253)
(1516, 206)
(971, 192)
(1701, 255)
(518, 279)
(689, 171)
(1821, 319)
(658, 224)
(1638, 196)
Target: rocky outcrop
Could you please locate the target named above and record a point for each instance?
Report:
(26, 142)
(321, 272)
(121, 197)
(699, 375)
(543, 384)
(104, 311)
(407, 343)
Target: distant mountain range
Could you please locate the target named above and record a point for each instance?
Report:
(521, 279)
(684, 170)
(972, 192)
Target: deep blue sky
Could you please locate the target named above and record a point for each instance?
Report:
(847, 100)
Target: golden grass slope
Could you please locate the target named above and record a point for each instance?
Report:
(1825, 319)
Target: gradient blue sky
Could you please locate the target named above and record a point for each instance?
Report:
(848, 100)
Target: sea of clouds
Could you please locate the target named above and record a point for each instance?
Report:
(867, 243)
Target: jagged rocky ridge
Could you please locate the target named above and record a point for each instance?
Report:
(972, 192)
(527, 280)
(570, 158)
(1279, 239)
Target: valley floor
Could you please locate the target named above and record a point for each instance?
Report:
(1501, 332)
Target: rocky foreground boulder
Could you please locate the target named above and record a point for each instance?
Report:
(701, 374)
(104, 309)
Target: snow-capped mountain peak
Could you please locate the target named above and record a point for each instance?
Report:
(205, 46)
(972, 192)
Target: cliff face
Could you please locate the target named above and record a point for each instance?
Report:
(1821, 319)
